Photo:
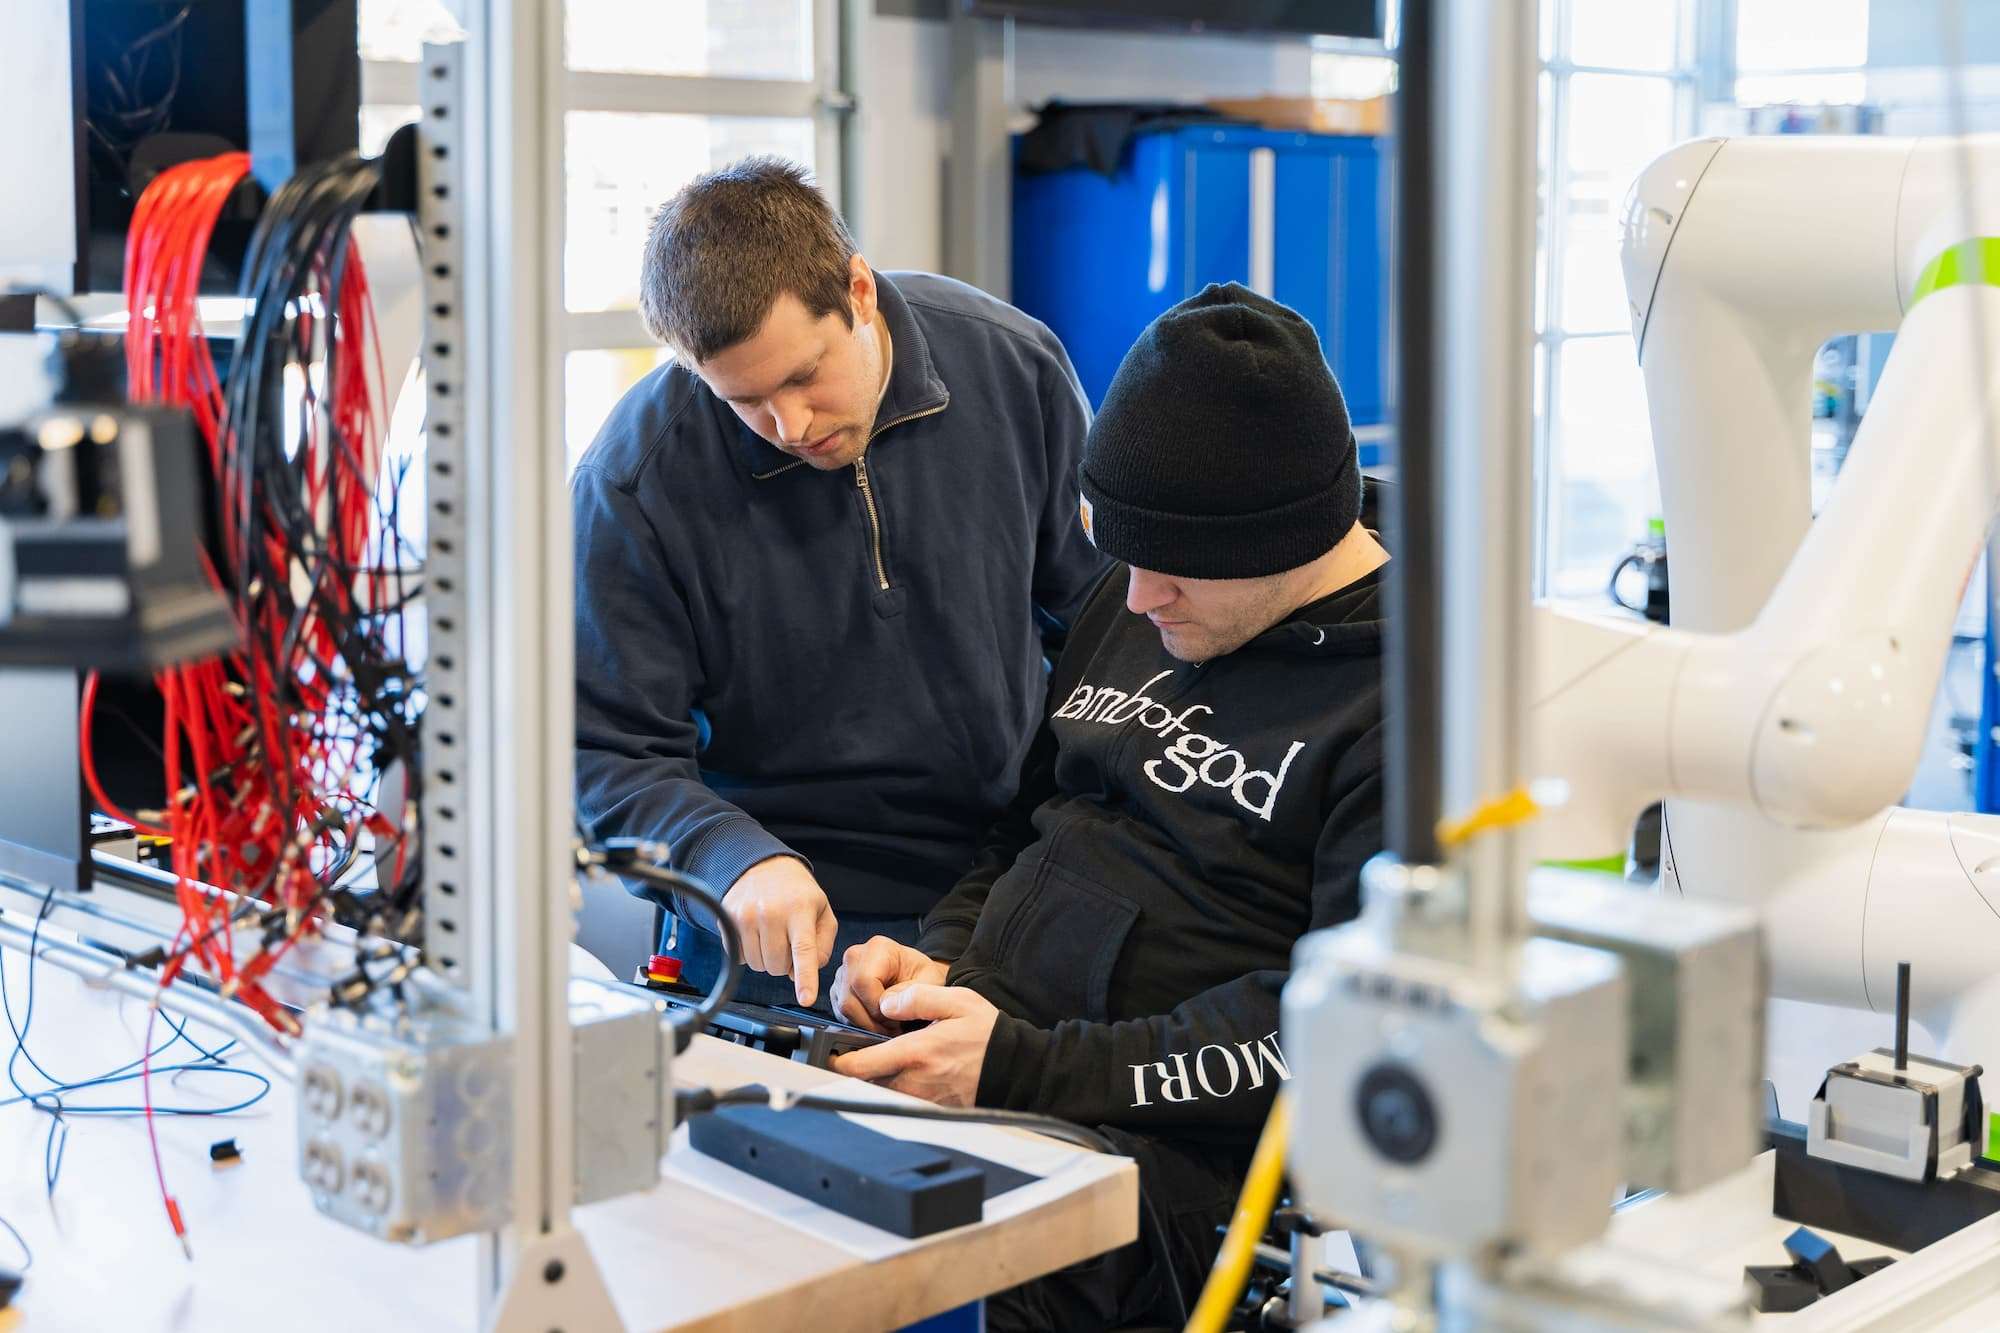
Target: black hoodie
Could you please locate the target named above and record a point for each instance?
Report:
(1178, 828)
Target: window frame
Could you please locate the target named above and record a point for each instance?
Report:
(1551, 335)
(821, 99)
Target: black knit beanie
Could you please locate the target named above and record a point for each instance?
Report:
(1223, 449)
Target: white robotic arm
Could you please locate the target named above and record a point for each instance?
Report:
(1783, 714)
(1814, 713)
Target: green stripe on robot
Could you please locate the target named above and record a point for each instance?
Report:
(1603, 865)
(1973, 262)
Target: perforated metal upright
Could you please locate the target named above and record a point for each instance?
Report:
(449, 782)
(499, 731)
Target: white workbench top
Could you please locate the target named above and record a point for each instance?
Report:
(685, 1255)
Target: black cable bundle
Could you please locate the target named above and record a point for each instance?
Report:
(304, 501)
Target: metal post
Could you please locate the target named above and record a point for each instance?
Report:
(1461, 535)
(518, 709)
(1305, 1304)
(1486, 234)
(1414, 698)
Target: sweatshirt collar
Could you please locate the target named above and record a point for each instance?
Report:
(914, 387)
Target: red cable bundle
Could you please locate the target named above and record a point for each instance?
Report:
(256, 772)
(263, 750)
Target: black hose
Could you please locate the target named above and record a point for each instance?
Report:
(661, 883)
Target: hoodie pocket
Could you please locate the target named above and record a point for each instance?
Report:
(1058, 947)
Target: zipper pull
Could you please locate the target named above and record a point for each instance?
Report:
(874, 522)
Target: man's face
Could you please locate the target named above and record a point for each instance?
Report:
(809, 386)
(1202, 619)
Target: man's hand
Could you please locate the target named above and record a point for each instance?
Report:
(940, 1063)
(786, 922)
(869, 969)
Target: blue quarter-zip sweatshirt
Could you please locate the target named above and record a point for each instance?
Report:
(845, 666)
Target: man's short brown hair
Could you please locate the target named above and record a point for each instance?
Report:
(725, 248)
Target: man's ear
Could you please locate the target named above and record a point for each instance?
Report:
(861, 291)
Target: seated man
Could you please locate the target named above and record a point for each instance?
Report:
(1203, 793)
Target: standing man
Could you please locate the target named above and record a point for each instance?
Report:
(821, 559)
(1206, 790)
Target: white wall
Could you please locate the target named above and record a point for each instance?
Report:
(1088, 66)
(904, 95)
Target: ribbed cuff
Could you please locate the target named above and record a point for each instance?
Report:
(1011, 1078)
(720, 854)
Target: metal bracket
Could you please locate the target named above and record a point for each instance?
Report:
(555, 1288)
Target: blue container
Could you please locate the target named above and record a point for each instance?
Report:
(1986, 748)
(1290, 214)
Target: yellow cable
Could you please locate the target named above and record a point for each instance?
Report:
(1516, 807)
(1253, 1214)
(1226, 1280)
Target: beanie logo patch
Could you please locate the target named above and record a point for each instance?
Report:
(1083, 507)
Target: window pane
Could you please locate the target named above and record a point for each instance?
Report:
(395, 29)
(380, 121)
(1602, 459)
(1540, 481)
(593, 382)
(1617, 124)
(736, 39)
(1544, 184)
(1801, 34)
(1621, 35)
(1593, 278)
(623, 166)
